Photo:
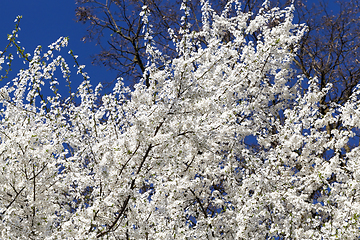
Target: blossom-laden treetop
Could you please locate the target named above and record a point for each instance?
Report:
(223, 141)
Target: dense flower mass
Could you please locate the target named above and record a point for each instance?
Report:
(225, 141)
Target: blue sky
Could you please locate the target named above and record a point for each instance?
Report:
(43, 22)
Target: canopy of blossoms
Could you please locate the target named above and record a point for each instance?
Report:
(228, 142)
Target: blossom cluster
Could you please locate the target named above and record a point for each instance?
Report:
(224, 143)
